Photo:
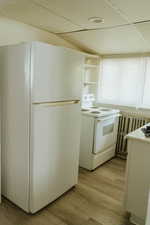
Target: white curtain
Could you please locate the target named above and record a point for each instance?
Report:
(146, 89)
(125, 81)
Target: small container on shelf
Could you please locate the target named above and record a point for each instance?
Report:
(89, 83)
(89, 66)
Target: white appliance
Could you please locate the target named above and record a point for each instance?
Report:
(98, 136)
(41, 86)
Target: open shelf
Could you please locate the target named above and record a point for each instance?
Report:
(90, 83)
(90, 66)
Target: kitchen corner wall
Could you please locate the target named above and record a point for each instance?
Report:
(13, 32)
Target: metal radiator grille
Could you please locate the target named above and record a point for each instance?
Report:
(128, 122)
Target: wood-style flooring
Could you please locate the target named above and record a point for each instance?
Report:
(96, 200)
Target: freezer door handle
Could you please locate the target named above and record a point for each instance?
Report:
(57, 103)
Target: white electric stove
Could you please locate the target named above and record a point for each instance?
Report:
(99, 111)
(98, 136)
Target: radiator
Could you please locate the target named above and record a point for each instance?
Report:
(128, 122)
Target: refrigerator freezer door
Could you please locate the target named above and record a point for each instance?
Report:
(55, 155)
(56, 73)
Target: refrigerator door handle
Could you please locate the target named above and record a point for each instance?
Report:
(57, 103)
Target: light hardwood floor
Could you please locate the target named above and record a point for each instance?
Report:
(96, 200)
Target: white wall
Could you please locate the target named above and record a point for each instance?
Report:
(12, 32)
(148, 211)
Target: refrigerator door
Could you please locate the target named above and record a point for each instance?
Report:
(56, 73)
(55, 151)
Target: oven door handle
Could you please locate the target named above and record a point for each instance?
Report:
(108, 117)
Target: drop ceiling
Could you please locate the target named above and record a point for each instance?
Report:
(115, 40)
(126, 26)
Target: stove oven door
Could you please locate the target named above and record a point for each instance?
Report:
(105, 133)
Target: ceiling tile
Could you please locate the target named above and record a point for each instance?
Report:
(28, 12)
(144, 28)
(78, 11)
(136, 10)
(111, 41)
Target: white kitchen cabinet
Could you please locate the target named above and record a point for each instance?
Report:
(138, 177)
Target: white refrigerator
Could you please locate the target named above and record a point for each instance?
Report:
(40, 90)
